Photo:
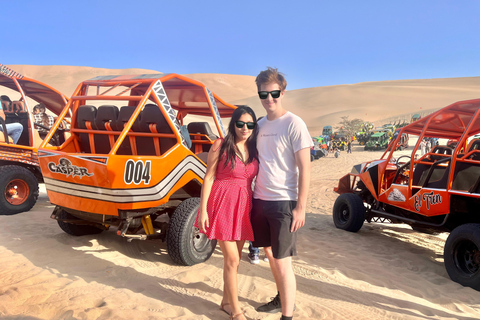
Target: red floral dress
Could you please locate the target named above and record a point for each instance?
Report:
(230, 201)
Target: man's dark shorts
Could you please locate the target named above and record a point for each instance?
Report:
(271, 222)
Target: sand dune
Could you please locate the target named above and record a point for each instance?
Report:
(379, 102)
(385, 271)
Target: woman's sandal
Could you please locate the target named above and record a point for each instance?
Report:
(222, 307)
(233, 316)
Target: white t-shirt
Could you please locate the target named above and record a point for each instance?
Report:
(277, 142)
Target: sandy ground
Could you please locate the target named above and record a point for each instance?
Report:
(384, 271)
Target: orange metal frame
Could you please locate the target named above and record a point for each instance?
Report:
(39, 92)
(460, 120)
(97, 182)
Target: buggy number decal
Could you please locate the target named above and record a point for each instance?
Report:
(137, 171)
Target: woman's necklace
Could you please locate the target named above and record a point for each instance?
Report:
(241, 154)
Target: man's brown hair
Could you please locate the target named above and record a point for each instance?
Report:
(271, 75)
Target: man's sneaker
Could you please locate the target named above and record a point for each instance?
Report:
(253, 258)
(265, 259)
(273, 306)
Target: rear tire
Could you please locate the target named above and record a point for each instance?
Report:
(349, 212)
(75, 229)
(185, 244)
(19, 189)
(462, 255)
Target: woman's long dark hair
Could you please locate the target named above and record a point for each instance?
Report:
(229, 147)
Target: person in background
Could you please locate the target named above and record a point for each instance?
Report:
(281, 188)
(36, 110)
(226, 199)
(254, 254)
(336, 153)
(14, 129)
(41, 117)
(423, 147)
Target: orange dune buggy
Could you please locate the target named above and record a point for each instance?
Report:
(437, 191)
(19, 168)
(136, 159)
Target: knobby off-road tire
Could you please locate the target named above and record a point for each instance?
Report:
(19, 190)
(462, 255)
(349, 212)
(75, 229)
(185, 244)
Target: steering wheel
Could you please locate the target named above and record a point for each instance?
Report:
(56, 136)
(397, 163)
(42, 126)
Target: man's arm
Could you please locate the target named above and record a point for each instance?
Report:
(302, 159)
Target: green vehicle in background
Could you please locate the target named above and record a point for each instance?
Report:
(378, 140)
(362, 137)
(391, 129)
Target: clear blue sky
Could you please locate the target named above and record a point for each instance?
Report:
(315, 43)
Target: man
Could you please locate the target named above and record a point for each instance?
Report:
(40, 116)
(281, 188)
(13, 129)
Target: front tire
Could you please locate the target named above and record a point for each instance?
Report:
(185, 244)
(349, 212)
(462, 255)
(19, 189)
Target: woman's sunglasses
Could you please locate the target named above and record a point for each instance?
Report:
(250, 125)
(264, 94)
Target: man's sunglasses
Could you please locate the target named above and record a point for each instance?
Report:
(264, 94)
(250, 125)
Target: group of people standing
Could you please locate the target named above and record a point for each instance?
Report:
(425, 146)
(255, 189)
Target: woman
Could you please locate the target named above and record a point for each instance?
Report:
(226, 199)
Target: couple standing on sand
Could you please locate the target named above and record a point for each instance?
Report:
(276, 151)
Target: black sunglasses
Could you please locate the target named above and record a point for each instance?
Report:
(250, 125)
(264, 94)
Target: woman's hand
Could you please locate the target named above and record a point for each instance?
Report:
(203, 221)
